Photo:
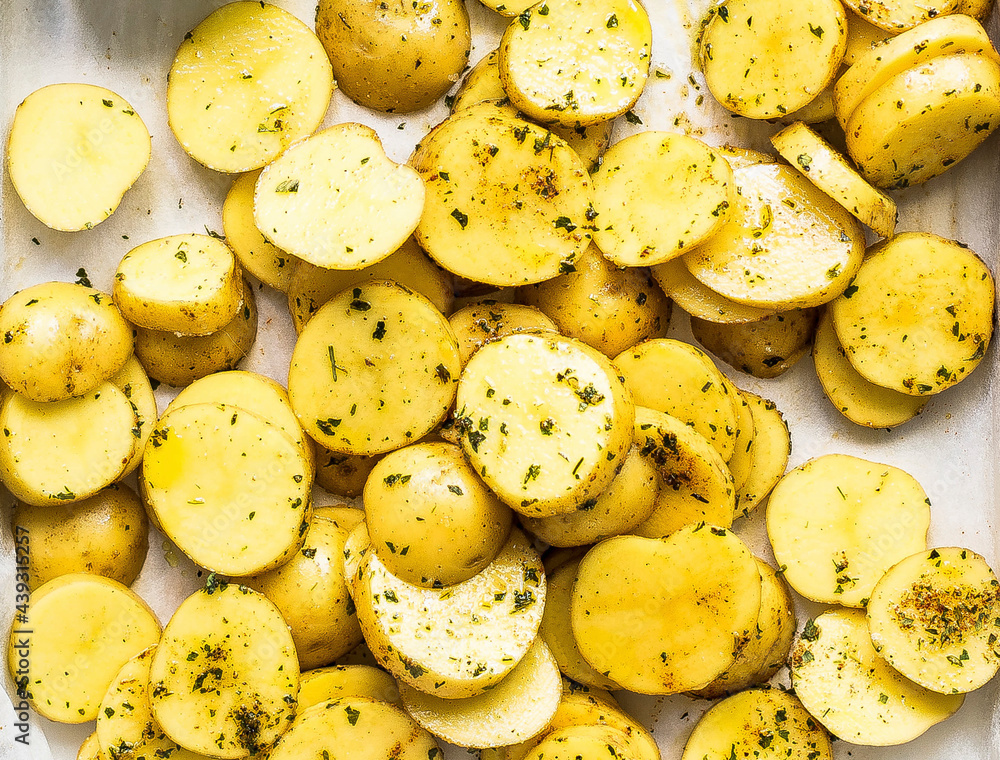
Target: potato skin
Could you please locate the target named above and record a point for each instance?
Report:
(395, 57)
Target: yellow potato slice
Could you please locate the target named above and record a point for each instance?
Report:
(374, 369)
(478, 324)
(767, 58)
(343, 474)
(786, 243)
(576, 62)
(544, 420)
(684, 600)
(862, 36)
(943, 35)
(700, 301)
(73, 151)
(853, 692)
(741, 462)
(696, 486)
(772, 446)
(517, 708)
(187, 284)
(358, 728)
(589, 742)
(760, 723)
(656, 195)
(978, 9)
(255, 254)
(859, 400)
(508, 202)
(897, 15)
(337, 201)
(346, 682)
(931, 321)
(935, 617)
(66, 451)
(228, 487)
(224, 676)
(873, 516)
(817, 110)
(453, 642)
(90, 749)
(246, 83)
(133, 381)
(831, 173)
(766, 348)
(925, 119)
(78, 632)
(312, 286)
(740, 157)
(675, 377)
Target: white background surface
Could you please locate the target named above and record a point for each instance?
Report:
(127, 46)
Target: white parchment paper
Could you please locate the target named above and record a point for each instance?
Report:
(127, 46)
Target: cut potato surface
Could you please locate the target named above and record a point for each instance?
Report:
(873, 516)
(935, 617)
(346, 682)
(925, 119)
(69, 450)
(772, 446)
(862, 36)
(83, 629)
(699, 300)
(786, 243)
(853, 692)
(73, 151)
(684, 600)
(478, 324)
(576, 62)
(90, 749)
(187, 284)
(507, 203)
(213, 471)
(133, 381)
(767, 58)
(515, 709)
(585, 743)
(453, 642)
(374, 369)
(545, 422)
(765, 348)
(831, 173)
(246, 83)
(897, 15)
(760, 723)
(859, 400)
(343, 474)
(919, 316)
(657, 194)
(741, 462)
(224, 677)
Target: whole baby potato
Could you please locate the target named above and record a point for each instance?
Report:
(395, 56)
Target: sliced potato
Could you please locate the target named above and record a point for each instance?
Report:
(935, 617)
(853, 692)
(859, 400)
(73, 151)
(741, 462)
(700, 301)
(772, 446)
(740, 157)
(90, 749)
(862, 36)
(246, 83)
(786, 244)
(337, 201)
(83, 628)
(873, 516)
(897, 15)
(133, 381)
(978, 9)
(583, 742)
(767, 58)
(931, 321)
(346, 682)
(343, 474)
(478, 324)
(766, 348)
(224, 677)
(544, 420)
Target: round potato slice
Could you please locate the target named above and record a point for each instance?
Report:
(859, 400)
(66, 451)
(741, 462)
(873, 516)
(804, 44)
(576, 62)
(343, 474)
(224, 677)
(508, 202)
(346, 682)
(73, 151)
(700, 301)
(544, 420)
(133, 381)
(659, 616)
(919, 316)
(586, 742)
(856, 694)
(760, 723)
(897, 15)
(772, 446)
(374, 369)
(77, 633)
(935, 617)
(246, 83)
(786, 244)
(766, 348)
(212, 471)
(516, 709)
(187, 284)
(478, 324)
(61, 340)
(90, 749)
(862, 36)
